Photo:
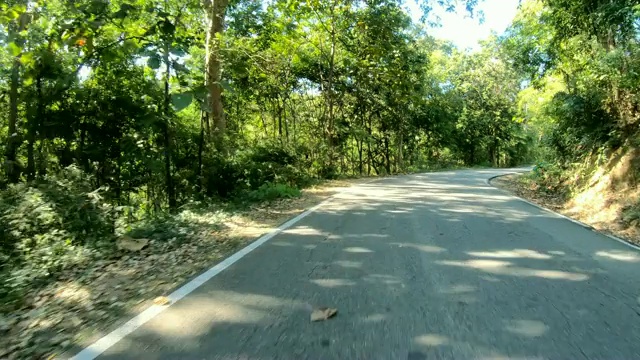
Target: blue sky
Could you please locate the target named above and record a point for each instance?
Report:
(464, 31)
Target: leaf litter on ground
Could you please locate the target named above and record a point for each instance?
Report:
(86, 301)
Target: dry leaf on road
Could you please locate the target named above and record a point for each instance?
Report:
(161, 300)
(323, 313)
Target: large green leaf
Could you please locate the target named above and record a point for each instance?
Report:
(181, 100)
(14, 49)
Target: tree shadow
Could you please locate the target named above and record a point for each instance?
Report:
(433, 270)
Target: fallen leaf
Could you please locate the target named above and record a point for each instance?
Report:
(323, 313)
(161, 300)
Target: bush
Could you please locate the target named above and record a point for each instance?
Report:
(548, 177)
(223, 176)
(44, 225)
(270, 192)
(235, 175)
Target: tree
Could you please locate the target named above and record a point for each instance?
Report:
(215, 11)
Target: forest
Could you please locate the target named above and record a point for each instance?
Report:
(114, 113)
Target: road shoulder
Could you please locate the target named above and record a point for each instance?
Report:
(511, 184)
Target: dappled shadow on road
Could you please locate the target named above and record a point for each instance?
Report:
(419, 267)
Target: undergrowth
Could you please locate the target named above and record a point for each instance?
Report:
(61, 222)
(547, 178)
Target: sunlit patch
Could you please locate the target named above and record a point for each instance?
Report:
(458, 289)
(384, 279)
(72, 292)
(356, 249)
(490, 278)
(463, 211)
(553, 274)
(398, 211)
(281, 243)
(331, 283)
(364, 236)
(504, 268)
(374, 318)
(431, 340)
(477, 264)
(420, 247)
(517, 253)
(627, 256)
(348, 264)
(529, 328)
(302, 230)
(556, 252)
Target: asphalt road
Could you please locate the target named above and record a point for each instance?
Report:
(431, 266)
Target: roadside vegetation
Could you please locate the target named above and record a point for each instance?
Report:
(583, 61)
(134, 132)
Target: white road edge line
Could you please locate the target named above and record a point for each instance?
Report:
(103, 344)
(586, 226)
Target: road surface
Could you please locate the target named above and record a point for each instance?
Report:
(429, 266)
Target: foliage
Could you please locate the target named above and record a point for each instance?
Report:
(582, 59)
(44, 227)
(270, 192)
(113, 124)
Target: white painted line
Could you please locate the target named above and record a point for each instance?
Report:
(101, 345)
(580, 223)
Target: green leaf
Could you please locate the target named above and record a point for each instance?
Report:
(181, 100)
(14, 49)
(226, 86)
(154, 62)
(26, 59)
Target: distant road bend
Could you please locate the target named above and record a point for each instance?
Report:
(429, 266)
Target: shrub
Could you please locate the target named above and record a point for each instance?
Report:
(223, 176)
(233, 175)
(548, 177)
(271, 191)
(44, 225)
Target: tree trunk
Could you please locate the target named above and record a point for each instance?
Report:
(369, 161)
(400, 158)
(279, 112)
(360, 165)
(203, 120)
(171, 195)
(387, 160)
(215, 10)
(329, 89)
(13, 143)
(31, 131)
(284, 118)
(264, 123)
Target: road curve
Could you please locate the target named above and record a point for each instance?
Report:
(429, 266)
